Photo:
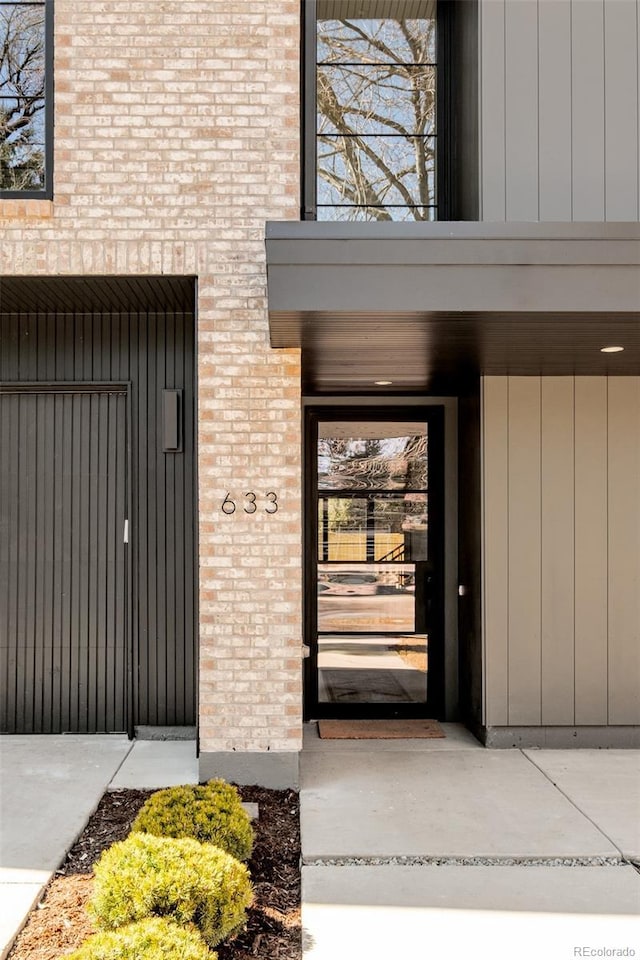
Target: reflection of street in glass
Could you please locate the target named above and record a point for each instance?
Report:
(371, 611)
(370, 668)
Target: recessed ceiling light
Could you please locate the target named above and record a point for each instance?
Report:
(611, 349)
(383, 383)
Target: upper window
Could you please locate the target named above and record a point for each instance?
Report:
(25, 98)
(371, 82)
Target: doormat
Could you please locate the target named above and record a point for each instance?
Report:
(379, 729)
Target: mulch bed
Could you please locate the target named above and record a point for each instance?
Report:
(59, 923)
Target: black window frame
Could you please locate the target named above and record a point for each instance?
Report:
(46, 193)
(433, 415)
(446, 195)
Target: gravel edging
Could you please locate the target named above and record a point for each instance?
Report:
(467, 862)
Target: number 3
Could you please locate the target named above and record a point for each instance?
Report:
(251, 507)
(273, 500)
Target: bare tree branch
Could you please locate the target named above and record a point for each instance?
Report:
(376, 112)
(22, 87)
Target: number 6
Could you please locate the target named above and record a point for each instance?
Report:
(228, 506)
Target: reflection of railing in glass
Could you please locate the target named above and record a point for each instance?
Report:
(374, 527)
(396, 554)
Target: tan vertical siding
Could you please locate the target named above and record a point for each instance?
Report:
(624, 549)
(562, 606)
(558, 537)
(496, 549)
(560, 107)
(524, 591)
(591, 549)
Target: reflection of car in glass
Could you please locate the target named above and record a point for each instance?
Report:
(348, 584)
(356, 583)
(415, 523)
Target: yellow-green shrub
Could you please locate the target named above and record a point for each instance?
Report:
(211, 813)
(186, 881)
(151, 939)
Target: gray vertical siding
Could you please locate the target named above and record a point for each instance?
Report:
(153, 351)
(560, 104)
(561, 557)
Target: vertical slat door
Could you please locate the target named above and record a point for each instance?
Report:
(152, 352)
(63, 619)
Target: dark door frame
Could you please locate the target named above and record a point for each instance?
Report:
(433, 415)
(122, 388)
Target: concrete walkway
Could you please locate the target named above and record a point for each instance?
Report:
(440, 848)
(408, 846)
(50, 787)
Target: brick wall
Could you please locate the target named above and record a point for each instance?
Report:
(176, 137)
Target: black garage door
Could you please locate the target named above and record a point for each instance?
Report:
(63, 574)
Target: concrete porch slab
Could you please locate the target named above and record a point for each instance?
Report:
(604, 785)
(152, 764)
(456, 737)
(456, 803)
(457, 912)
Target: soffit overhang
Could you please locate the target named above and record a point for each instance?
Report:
(21, 294)
(426, 305)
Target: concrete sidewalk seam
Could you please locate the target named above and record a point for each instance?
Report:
(574, 804)
(119, 767)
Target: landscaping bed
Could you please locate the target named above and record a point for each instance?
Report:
(59, 924)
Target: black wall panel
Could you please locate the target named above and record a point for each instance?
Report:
(152, 352)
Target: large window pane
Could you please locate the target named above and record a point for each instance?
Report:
(376, 119)
(22, 96)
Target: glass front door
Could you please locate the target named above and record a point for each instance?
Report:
(374, 607)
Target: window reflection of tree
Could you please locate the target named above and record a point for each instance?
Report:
(391, 464)
(22, 96)
(376, 97)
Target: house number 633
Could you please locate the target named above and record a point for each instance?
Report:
(250, 503)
